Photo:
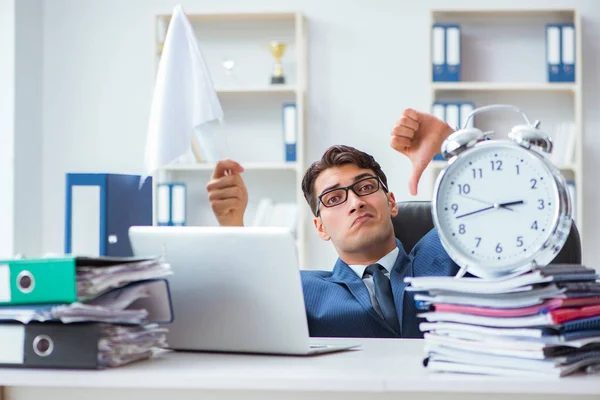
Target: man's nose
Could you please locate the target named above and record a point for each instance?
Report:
(355, 202)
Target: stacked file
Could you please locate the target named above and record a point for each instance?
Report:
(82, 312)
(545, 322)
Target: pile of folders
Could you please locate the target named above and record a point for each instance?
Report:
(82, 312)
(545, 322)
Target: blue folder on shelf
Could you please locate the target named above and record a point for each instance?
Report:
(99, 210)
(171, 204)
(290, 130)
(446, 52)
(560, 52)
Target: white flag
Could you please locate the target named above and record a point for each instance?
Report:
(184, 96)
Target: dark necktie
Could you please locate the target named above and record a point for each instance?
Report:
(383, 294)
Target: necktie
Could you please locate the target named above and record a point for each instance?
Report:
(383, 294)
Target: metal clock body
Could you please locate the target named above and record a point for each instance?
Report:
(499, 206)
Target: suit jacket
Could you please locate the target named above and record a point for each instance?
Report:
(338, 302)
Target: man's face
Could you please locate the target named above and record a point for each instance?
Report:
(362, 221)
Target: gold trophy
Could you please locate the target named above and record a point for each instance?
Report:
(277, 49)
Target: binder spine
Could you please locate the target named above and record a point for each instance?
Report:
(50, 345)
(560, 52)
(290, 127)
(438, 52)
(172, 204)
(38, 281)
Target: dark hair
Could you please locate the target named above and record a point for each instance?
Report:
(334, 157)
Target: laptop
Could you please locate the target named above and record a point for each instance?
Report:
(234, 289)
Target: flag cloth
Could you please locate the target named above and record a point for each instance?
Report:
(184, 96)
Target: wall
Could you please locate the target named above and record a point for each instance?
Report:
(7, 123)
(28, 127)
(367, 63)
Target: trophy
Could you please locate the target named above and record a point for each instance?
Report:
(277, 49)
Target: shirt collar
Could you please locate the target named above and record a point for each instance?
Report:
(387, 261)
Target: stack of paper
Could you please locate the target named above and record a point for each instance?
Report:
(543, 322)
(82, 312)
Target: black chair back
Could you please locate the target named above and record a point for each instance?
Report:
(414, 220)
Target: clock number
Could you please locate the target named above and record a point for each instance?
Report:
(461, 229)
(464, 189)
(454, 208)
(541, 204)
(496, 165)
(477, 172)
(498, 248)
(534, 226)
(478, 241)
(533, 183)
(519, 241)
(518, 171)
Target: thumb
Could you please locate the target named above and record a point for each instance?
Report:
(417, 172)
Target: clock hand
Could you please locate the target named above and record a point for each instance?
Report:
(512, 203)
(477, 211)
(490, 204)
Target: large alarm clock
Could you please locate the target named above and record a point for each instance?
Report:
(500, 207)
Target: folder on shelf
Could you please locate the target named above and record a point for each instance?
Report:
(438, 52)
(572, 189)
(290, 131)
(171, 204)
(65, 280)
(453, 51)
(446, 52)
(568, 52)
(560, 52)
(464, 111)
(99, 210)
(84, 345)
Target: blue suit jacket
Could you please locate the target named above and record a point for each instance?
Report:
(338, 302)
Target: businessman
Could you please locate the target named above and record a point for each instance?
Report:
(364, 295)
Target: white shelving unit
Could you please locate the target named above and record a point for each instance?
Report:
(252, 128)
(503, 61)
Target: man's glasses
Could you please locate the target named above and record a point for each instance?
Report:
(337, 196)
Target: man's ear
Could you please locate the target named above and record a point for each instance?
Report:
(321, 230)
(393, 205)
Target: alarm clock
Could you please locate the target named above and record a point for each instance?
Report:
(500, 206)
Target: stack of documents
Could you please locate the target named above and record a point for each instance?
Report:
(545, 322)
(82, 312)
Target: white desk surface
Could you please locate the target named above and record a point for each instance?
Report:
(382, 365)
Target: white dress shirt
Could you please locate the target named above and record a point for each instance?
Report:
(387, 262)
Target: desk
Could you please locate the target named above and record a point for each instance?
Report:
(382, 369)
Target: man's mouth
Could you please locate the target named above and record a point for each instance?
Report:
(362, 218)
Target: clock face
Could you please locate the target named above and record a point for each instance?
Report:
(496, 206)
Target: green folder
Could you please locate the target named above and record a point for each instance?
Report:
(38, 281)
(48, 280)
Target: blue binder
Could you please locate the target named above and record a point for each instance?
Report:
(560, 52)
(446, 52)
(122, 204)
(290, 130)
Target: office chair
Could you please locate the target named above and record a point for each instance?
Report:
(414, 220)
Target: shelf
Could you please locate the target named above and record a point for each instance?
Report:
(194, 17)
(209, 167)
(259, 89)
(504, 86)
(526, 12)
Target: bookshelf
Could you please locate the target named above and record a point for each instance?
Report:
(503, 61)
(236, 49)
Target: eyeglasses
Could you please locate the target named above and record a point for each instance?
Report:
(337, 196)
